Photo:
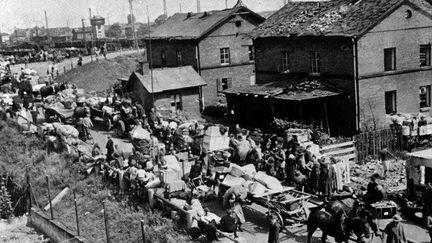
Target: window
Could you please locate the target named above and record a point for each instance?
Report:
(390, 102)
(389, 59)
(285, 63)
(223, 84)
(425, 57)
(179, 58)
(425, 100)
(163, 58)
(176, 102)
(225, 56)
(251, 53)
(315, 62)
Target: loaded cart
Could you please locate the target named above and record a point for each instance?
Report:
(290, 206)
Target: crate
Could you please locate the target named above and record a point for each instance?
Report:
(384, 209)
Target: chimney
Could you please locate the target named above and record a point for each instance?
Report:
(198, 6)
(143, 68)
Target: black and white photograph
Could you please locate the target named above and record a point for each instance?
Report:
(204, 121)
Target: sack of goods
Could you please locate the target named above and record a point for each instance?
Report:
(92, 101)
(269, 181)
(66, 130)
(140, 133)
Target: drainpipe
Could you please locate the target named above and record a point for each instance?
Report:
(356, 82)
(198, 59)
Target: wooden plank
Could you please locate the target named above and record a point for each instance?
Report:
(340, 152)
(338, 145)
(350, 157)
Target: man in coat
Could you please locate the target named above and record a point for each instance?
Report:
(110, 148)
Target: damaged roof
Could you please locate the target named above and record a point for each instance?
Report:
(331, 18)
(165, 79)
(196, 25)
(294, 91)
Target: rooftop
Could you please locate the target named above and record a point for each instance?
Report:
(195, 25)
(294, 91)
(331, 18)
(165, 79)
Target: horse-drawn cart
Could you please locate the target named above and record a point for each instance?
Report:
(57, 113)
(290, 206)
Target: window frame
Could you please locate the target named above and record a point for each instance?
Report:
(285, 62)
(427, 61)
(427, 98)
(393, 98)
(225, 56)
(220, 84)
(251, 52)
(179, 57)
(315, 62)
(176, 101)
(392, 66)
(163, 58)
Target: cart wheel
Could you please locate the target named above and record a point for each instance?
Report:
(107, 123)
(278, 217)
(120, 128)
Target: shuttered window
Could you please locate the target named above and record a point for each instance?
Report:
(389, 59)
(425, 57)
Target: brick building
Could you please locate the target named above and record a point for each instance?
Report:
(171, 89)
(377, 52)
(215, 43)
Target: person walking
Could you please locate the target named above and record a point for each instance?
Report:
(384, 158)
(394, 232)
(110, 148)
(429, 226)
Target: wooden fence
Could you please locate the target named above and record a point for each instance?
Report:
(344, 151)
(369, 144)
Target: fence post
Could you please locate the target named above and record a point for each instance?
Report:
(76, 214)
(28, 191)
(49, 197)
(106, 223)
(142, 231)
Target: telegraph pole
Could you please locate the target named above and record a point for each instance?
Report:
(133, 24)
(198, 6)
(165, 8)
(46, 23)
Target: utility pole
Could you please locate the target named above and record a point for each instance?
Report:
(180, 6)
(150, 57)
(226, 3)
(198, 6)
(91, 27)
(165, 8)
(47, 29)
(133, 24)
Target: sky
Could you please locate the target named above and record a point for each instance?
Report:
(30, 13)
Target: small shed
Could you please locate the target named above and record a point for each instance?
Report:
(177, 88)
(418, 171)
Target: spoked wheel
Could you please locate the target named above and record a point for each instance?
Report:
(120, 129)
(107, 123)
(278, 217)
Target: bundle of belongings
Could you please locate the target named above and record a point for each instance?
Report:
(256, 183)
(141, 139)
(412, 124)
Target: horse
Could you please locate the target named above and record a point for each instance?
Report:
(52, 89)
(338, 207)
(338, 226)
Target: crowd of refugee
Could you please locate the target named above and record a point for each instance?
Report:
(282, 157)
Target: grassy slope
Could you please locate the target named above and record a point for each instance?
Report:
(18, 152)
(100, 75)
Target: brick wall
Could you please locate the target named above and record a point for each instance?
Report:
(240, 75)
(372, 102)
(187, 48)
(336, 56)
(405, 34)
(395, 31)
